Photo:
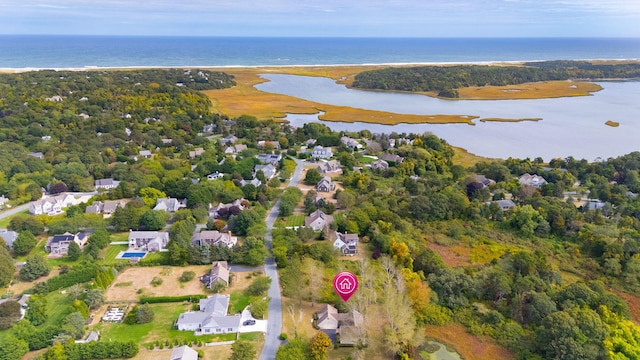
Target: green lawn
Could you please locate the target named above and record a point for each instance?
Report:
(366, 159)
(4, 223)
(111, 252)
(293, 220)
(239, 300)
(161, 328)
(117, 237)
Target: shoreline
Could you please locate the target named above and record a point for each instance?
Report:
(440, 63)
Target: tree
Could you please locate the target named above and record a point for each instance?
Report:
(144, 314)
(319, 346)
(312, 177)
(9, 314)
(36, 309)
(260, 307)
(100, 238)
(94, 298)
(149, 196)
(242, 350)
(296, 349)
(74, 251)
(35, 267)
(24, 243)
(73, 325)
(13, 349)
(7, 265)
(81, 307)
(153, 220)
(259, 286)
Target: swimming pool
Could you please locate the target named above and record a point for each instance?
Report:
(131, 254)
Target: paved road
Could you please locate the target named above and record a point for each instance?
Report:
(274, 324)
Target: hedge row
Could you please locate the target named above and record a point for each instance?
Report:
(77, 275)
(169, 299)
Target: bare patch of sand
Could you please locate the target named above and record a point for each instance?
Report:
(21, 286)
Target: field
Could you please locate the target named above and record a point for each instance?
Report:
(140, 280)
(470, 347)
(293, 220)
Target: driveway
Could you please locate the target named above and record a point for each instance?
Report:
(274, 326)
(259, 326)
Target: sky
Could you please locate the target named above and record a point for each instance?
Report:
(324, 18)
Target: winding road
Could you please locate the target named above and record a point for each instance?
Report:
(274, 324)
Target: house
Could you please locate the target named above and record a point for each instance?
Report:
(269, 158)
(214, 237)
(3, 201)
(183, 353)
(234, 149)
(318, 220)
(320, 152)
(532, 180)
(209, 128)
(349, 142)
(166, 141)
(220, 272)
(346, 243)
(38, 155)
(222, 210)
(9, 237)
(195, 153)
(148, 240)
(391, 158)
(51, 205)
(106, 184)
(483, 180)
(255, 182)
(93, 336)
(55, 98)
(145, 154)
(59, 244)
(110, 206)
(328, 166)
(347, 325)
(96, 208)
(325, 185)
(379, 165)
(503, 204)
(230, 139)
(268, 170)
(215, 176)
(211, 319)
(594, 204)
(170, 204)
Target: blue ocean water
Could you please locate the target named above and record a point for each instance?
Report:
(35, 51)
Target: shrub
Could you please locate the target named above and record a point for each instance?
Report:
(282, 336)
(156, 281)
(169, 299)
(187, 276)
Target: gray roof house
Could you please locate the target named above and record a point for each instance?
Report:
(347, 325)
(106, 184)
(9, 237)
(379, 165)
(318, 220)
(532, 180)
(59, 244)
(391, 157)
(268, 170)
(346, 243)
(220, 272)
(183, 353)
(269, 158)
(320, 152)
(214, 237)
(170, 204)
(328, 166)
(148, 240)
(504, 204)
(211, 319)
(325, 185)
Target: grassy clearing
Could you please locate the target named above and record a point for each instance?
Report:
(293, 220)
(4, 223)
(239, 300)
(118, 237)
(470, 347)
(366, 159)
(111, 252)
(464, 158)
(538, 90)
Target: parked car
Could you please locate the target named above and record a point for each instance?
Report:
(249, 322)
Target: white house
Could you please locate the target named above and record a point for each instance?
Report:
(52, 205)
(106, 184)
(214, 237)
(215, 176)
(532, 180)
(170, 204)
(320, 152)
(211, 319)
(148, 240)
(346, 243)
(184, 353)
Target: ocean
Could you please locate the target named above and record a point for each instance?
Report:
(39, 51)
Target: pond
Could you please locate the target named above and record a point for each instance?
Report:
(570, 126)
(441, 352)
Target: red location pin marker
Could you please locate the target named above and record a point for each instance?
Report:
(345, 284)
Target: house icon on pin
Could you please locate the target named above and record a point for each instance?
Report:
(345, 284)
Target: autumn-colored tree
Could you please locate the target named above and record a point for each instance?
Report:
(319, 346)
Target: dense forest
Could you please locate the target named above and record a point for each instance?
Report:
(445, 79)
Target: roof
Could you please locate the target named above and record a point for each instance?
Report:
(184, 353)
(215, 305)
(8, 236)
(318, 214)
(62, 237)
